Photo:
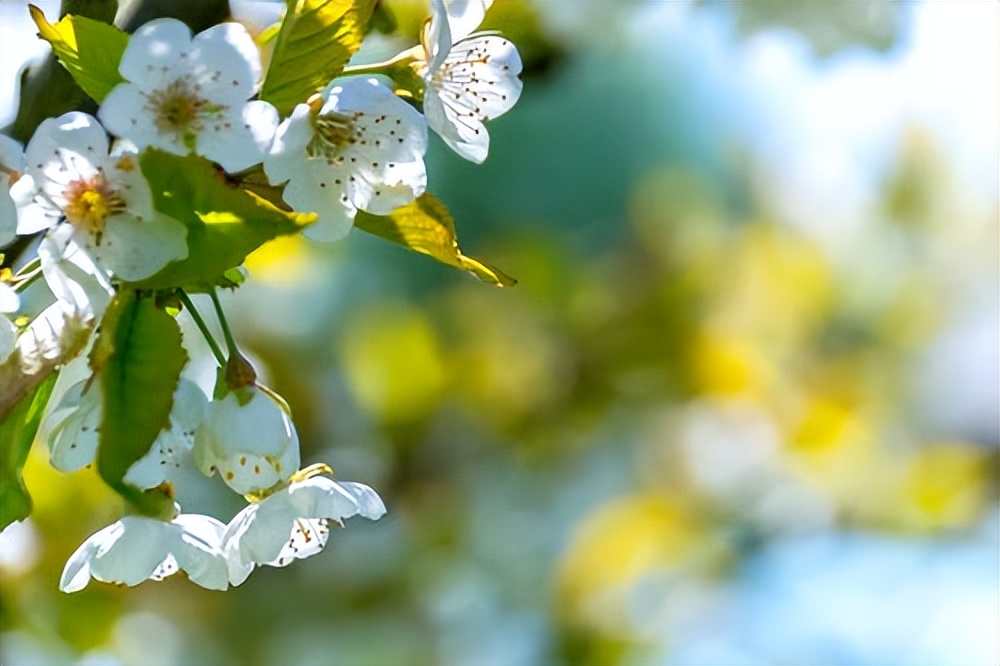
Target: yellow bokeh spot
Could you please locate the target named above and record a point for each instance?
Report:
(613, 547)
(728, 366)
(945, 486)
(393, 363)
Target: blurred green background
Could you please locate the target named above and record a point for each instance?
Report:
(741, 408)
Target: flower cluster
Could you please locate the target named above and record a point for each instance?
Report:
(250, 440)
(90, 189)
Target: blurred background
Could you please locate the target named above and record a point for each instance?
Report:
(741, 408)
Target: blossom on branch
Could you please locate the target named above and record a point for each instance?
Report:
(469, 77)
(137, 548)
(85, 197)
(186, 95)
(293, 523)
(251, 444)
(360, 147)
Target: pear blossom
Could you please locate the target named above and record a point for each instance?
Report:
(88, 198)
(187, 95)
(11, 166)
(136, 548)
(293, 523)
(359, 147)
(9, 302)
(252, 445)
(469, 77)
(73, 433)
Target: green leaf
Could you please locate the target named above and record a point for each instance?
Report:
(90, 50)
(224, 223)
(17, 432)
(316, 39)
(426, 226)
(138, 380)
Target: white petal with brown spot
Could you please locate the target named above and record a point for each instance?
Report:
(362, 150)
(93, 200)
(185, 94)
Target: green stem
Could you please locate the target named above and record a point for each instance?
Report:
(385, 68)
(200, 323)
(234, 350)
(27, 275)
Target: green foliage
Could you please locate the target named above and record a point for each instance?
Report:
(427, 227)
(316, 39)
(138, 380)
(17, 432)
(224, 223)
(90, 50)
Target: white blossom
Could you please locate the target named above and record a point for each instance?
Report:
(293, 523)
(362, 149)
(137, 548)
(469, 77)
(252, 445)
(11, 166)
(187, 95)
(73, 433)
(9, 302)
(94, 200)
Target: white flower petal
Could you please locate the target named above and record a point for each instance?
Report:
(478, 81)
(197, 550)
(73, 425)
(252, 446)
(320, 497)
(126, 112)
(32, 217)
(11, 158)
(153, 50)
(131, 554)
(8, 338)
(9, 300)
(293, 523)
(226, 55)
(464, 16)
(239, 142)
(137, 548)
(290, 141)
(135, 249)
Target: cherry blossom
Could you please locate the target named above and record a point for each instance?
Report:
(85, 197)
(187, 95)
(359, 147)
(293, 523)
(252, 445)
(469, 77)
(136, 548)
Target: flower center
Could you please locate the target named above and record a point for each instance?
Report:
(331, 132)
(178, 109)
(90, 202)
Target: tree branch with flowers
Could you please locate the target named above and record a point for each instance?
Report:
(195, 157)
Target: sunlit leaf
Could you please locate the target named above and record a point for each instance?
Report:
(224, 222)
(17, 432)
(426, 226)
(315, 41)
(90, 50)
(138, 380)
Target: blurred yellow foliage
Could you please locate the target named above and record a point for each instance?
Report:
(393, 362)
(616, 545)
